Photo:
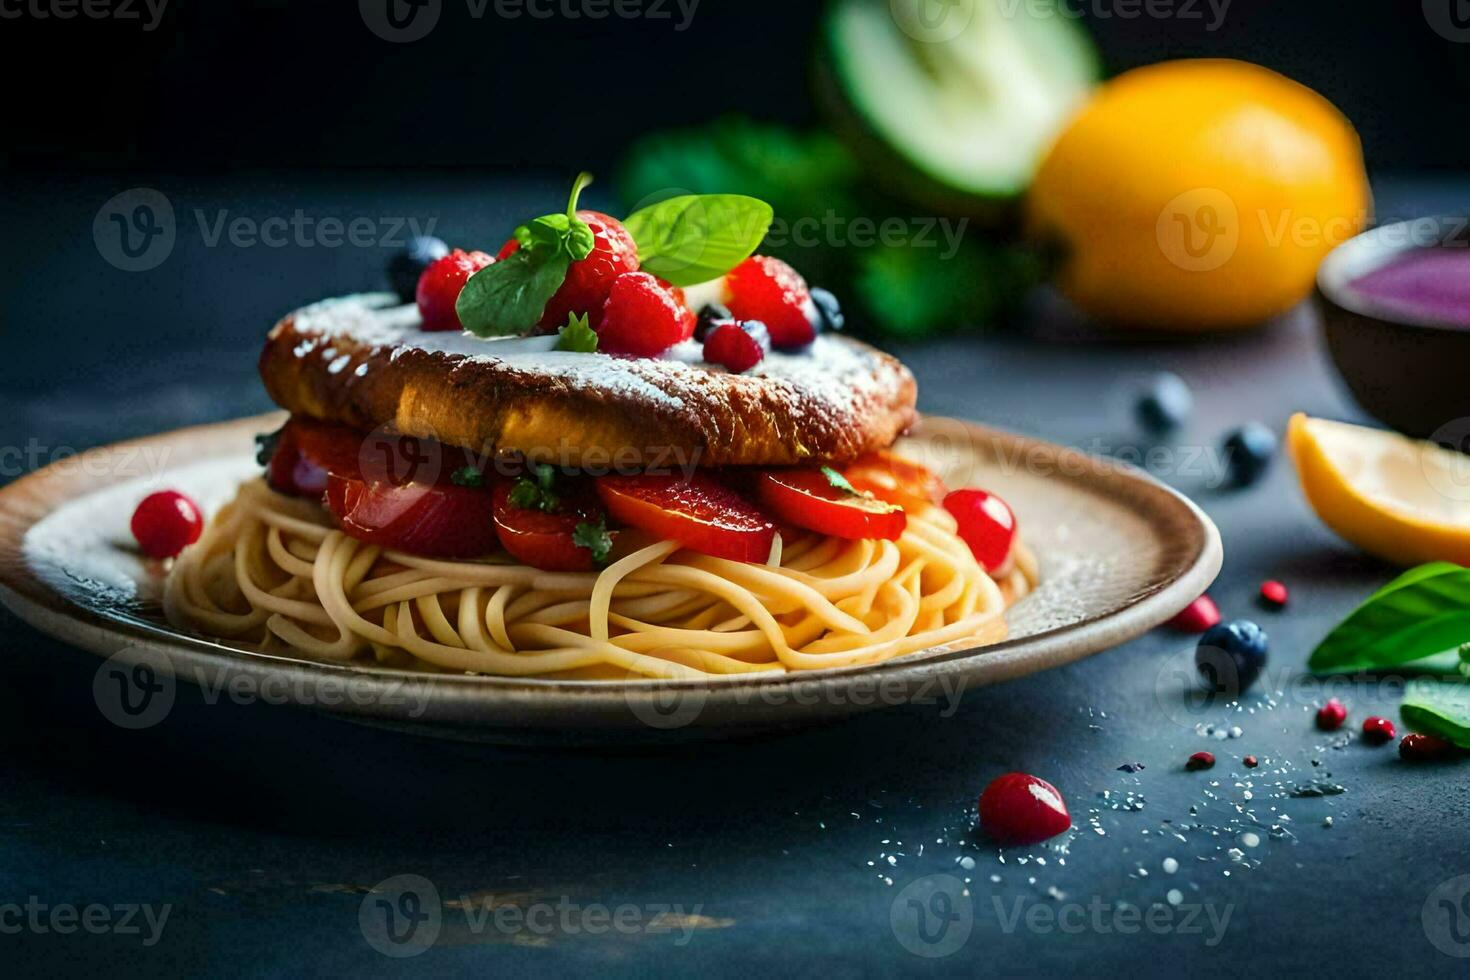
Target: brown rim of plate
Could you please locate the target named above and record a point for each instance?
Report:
(746, 703)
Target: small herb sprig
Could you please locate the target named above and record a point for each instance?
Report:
(467, 476)
(266, 444)
(536, 492)
(595, 538)
(839, 482)
(508, 296)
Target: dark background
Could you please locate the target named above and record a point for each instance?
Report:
(278, 86)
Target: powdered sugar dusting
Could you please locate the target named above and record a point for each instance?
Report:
(833, 373)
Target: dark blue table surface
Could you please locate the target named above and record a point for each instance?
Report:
(261, 831)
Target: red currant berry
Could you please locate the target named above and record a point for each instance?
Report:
(985, 523)
(1251, 762)
(1426, 748)
(1331, 715)
(641, 316)
(1378, 730)
(1198, 616)
(737, 346)
(1200, 760)
(440, 284)
(166, 523)
(1273, 595)
(1020, 809)
(767, 289)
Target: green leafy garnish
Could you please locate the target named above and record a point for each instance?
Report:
(467, 477)
(536, 494)
(917, 292)
(1420, 614)
(577, 335)
(594, 538)
(1436, 707)
(694, 238)
(509, 296)
(839, 482)
(266, 444)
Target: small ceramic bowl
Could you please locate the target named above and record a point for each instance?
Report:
(1407, 368)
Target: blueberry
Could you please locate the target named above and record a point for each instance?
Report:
(712, 313)
(405, 268)
(758, 331)
(1248, 452)
(829, 311)
(1165, 405)
(1230, 656)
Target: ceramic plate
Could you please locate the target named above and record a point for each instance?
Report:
(1119, 554)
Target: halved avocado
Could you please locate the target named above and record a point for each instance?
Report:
(957, 100)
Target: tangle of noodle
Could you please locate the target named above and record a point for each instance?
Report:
(271, 571)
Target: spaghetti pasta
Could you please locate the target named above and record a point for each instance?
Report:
(271, 571)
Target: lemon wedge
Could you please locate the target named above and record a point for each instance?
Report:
(1400, 499)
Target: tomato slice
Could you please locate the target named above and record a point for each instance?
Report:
(986, 524)
(290, 471)
(546, 540)
(698, 512)
(309, 449)
(430, 520)
(810, 499)
(890, 477)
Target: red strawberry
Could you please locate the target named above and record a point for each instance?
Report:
(767, 289)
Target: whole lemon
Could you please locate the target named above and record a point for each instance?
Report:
(1198, 195)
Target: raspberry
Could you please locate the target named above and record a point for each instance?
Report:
(737, 346)
(588, 281)
(440, 284)
(641, 316)
(767, 289)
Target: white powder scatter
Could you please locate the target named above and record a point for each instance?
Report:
(833, 375)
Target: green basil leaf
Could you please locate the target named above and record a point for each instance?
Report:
(577, 335)
(1440, 708)
(1423, 612)
(694, 238)
(558, 232)
(509, 296)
